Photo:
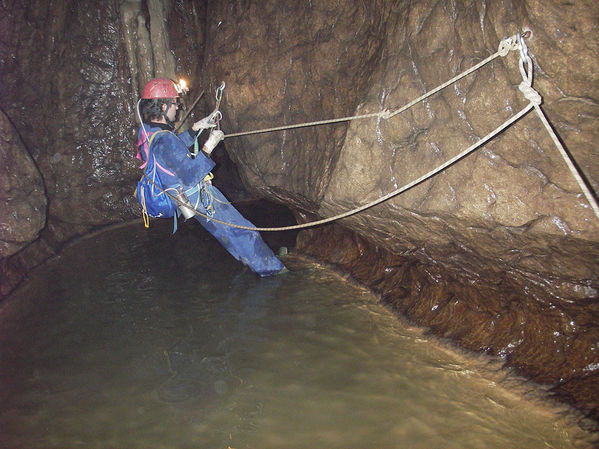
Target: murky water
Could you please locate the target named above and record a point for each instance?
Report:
(135, 339)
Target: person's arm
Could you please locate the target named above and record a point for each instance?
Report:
(171, 152)
(188, 137)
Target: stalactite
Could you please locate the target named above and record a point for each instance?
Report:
(148, 52)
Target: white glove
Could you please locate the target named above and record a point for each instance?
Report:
(216, 135)
(205, 123)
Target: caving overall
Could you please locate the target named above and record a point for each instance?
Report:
(178, 171)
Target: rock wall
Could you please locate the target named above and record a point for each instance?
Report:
(504, 239)
(552, 344)
(22, 193)
(511, 204)
(69, 84)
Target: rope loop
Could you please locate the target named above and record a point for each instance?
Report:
(505, 46)
(526, 85)
(522, 47)
(531, 95)
(526, 72)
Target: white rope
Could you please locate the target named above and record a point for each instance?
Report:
(513, 43)
(535, 99)
(382, 199)
(302, 125)
(587, 193)
(504, 48)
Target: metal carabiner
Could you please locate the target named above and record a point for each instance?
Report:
(522, 45)
(219, 92)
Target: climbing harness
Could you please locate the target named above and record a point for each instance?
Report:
(149, 192)
(514, 43)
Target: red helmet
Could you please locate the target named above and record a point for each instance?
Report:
(159, 88)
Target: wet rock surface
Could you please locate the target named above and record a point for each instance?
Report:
(507, 246)
(499, 252)
(21, 193)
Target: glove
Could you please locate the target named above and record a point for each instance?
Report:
(216, 135)
(205, 123)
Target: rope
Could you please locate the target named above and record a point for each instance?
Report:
(504, 48)
(525, 87)
(382, 199)
(302, 125)
(536, 99)
(587, 193)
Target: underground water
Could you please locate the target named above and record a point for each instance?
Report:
(139, 338)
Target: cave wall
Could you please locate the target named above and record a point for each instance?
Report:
(507, 227)
(513, 204)
(66, 95)
(22, 193)
(69, 84)
(505, 244)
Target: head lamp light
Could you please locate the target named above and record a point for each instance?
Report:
(181, 87)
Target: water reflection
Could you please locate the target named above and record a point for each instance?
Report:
(139, 339)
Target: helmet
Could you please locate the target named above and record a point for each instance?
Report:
(159, 88)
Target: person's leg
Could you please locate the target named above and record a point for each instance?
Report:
(245, 245)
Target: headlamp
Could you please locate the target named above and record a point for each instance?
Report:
(181, 87)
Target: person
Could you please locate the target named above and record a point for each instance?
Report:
(182, 171)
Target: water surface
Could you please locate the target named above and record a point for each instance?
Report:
(135, 338)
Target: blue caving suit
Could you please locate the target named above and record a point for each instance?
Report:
(171, 154)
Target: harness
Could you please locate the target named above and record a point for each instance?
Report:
(154, 199)
(150, 192)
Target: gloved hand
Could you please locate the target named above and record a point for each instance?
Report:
(216, 135)
(205, 123)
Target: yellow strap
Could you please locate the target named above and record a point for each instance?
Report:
(144, 210)
(209, 177)
(154, 135)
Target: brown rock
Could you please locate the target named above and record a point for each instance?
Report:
(22, 197)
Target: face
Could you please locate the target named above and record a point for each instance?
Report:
(171, 110)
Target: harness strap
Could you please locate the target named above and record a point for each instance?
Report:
(146, 149)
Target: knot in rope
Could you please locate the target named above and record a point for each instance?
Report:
(506, 45)
(386, 114)
(531, 95)
(526, 85)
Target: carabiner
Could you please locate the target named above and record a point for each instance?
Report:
(216, 117)
(219, 91)
(522, 46)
